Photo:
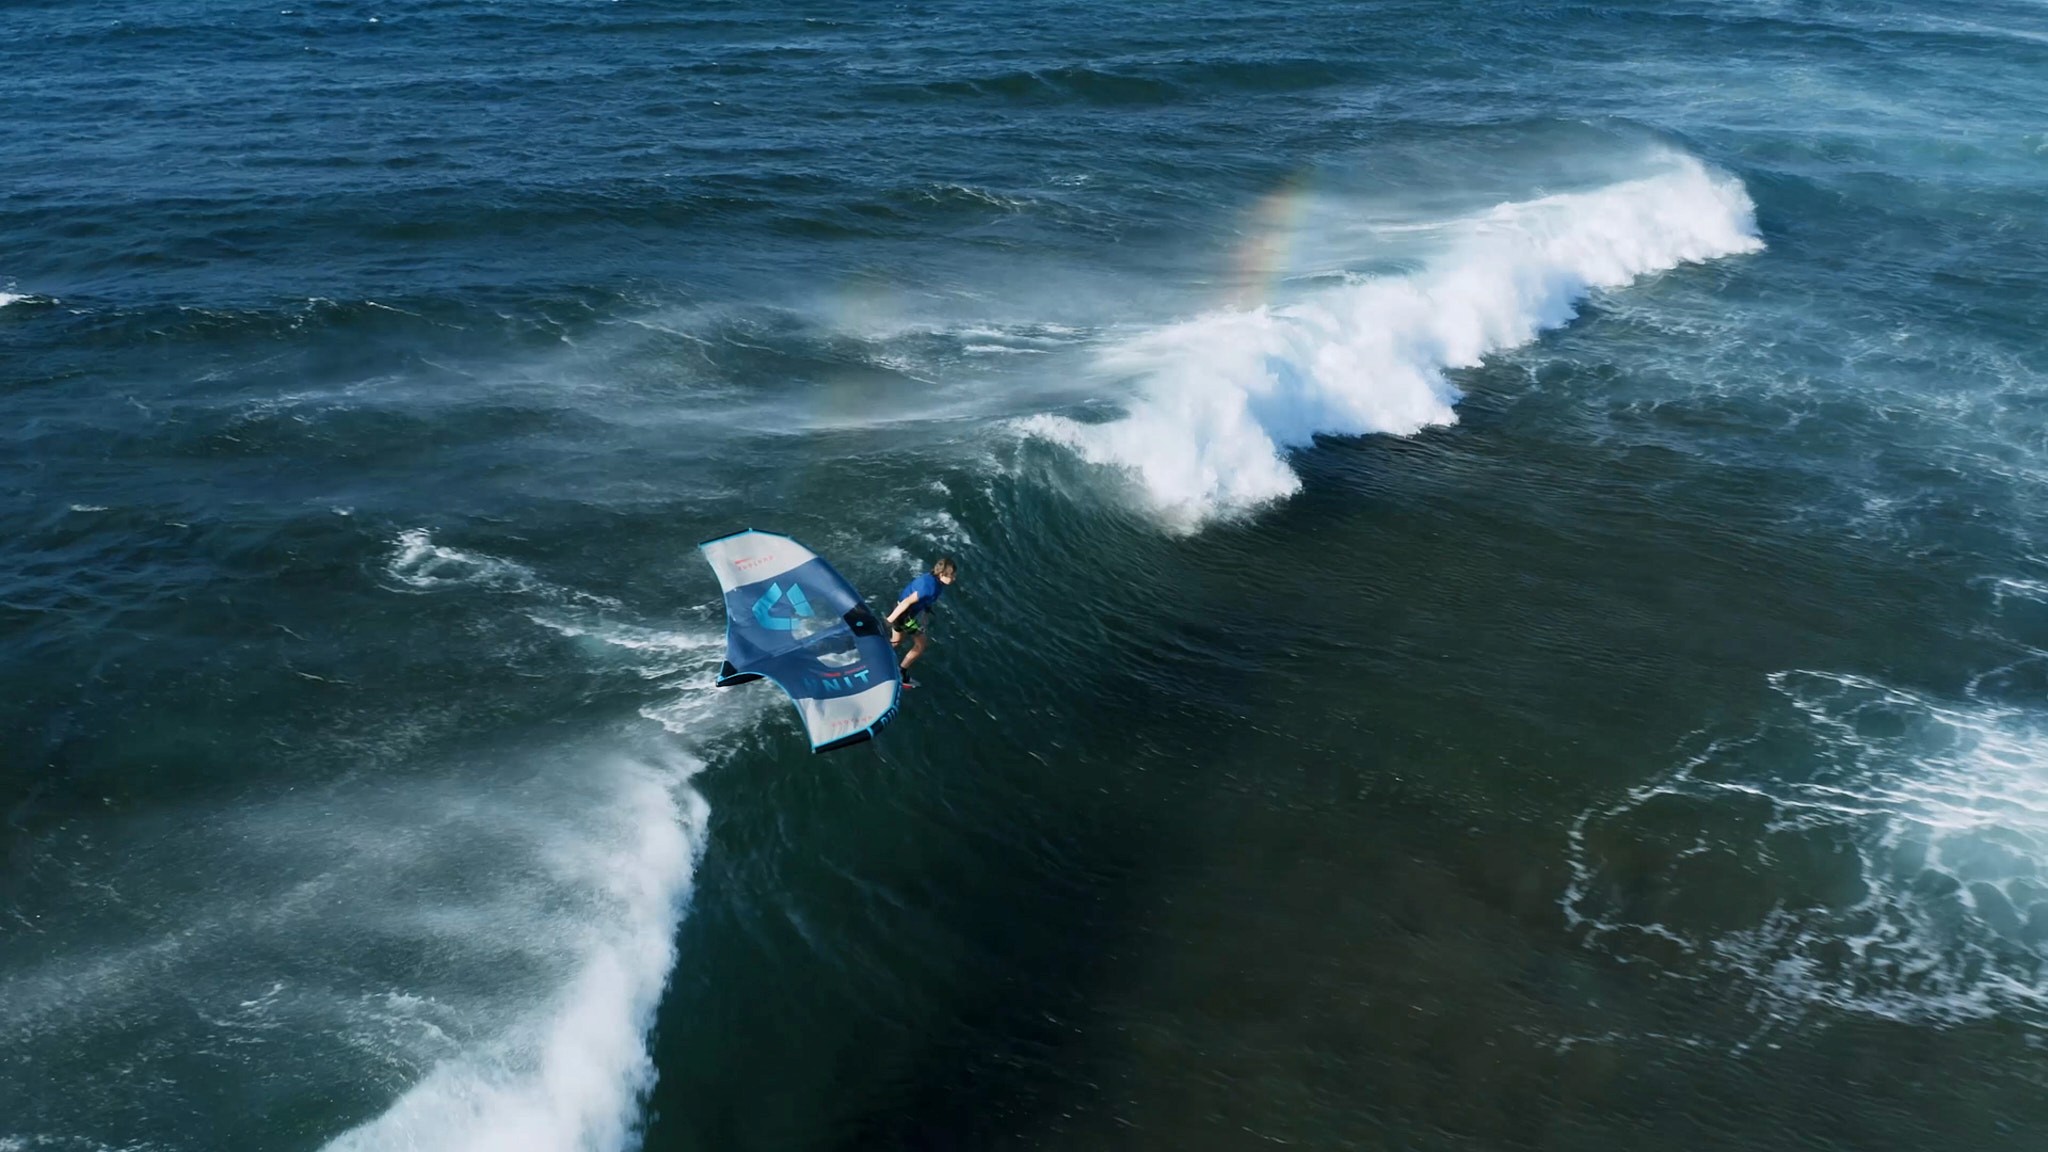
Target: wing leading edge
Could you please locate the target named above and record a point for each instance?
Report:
(791, 618)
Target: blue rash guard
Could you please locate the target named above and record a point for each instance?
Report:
(923, 594)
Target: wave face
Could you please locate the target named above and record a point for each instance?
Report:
(1224, 396)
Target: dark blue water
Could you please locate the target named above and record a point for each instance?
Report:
(1503, 603)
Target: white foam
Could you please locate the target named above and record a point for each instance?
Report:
(1223, 396)
(420, 563)
(943, 529)
(494, 937)
(497, 940)
(1868, 848)
(417, 562)
(634, 637)
(571, 1075)
(658, 652)
(7, 298)
(2003, 586)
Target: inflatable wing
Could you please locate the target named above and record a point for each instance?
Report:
(791, 618)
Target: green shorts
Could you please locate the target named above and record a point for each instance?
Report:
(909, 626)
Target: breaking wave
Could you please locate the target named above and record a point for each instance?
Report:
(1223, 396)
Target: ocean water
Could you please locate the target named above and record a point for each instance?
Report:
(1503, 603)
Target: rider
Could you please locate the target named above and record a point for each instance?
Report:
(920, 596)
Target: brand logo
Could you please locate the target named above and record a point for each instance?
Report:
(778, 608)
(746, 562)
(851, 680)
(845, 724)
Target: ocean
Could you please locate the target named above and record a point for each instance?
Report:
(1503, 591)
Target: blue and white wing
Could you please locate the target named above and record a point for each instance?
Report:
(792, 618)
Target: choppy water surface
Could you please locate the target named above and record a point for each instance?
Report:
(1504, 589)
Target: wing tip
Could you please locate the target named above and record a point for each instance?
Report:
(859, 737)
(865, 734)
(729, 676)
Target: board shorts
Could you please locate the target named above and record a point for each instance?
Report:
(909, 626)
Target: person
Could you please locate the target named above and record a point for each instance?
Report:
(920, 596)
